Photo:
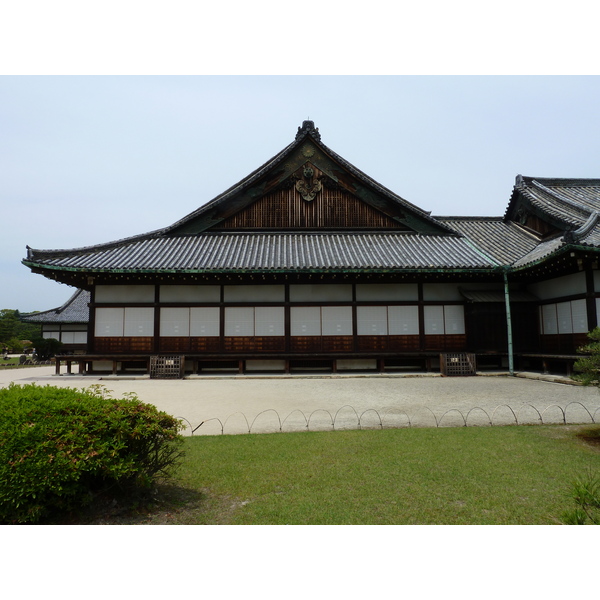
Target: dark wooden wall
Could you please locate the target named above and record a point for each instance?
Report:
(331, 209)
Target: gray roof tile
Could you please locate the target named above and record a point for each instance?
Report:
(74, 310)
(277, 251)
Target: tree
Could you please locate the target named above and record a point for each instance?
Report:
(588, 366)
(46, 348)
(11, 327)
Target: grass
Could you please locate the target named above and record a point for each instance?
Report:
(13, 362)
(493, 475)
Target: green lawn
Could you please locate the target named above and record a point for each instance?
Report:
(13, 362)
(474, 475)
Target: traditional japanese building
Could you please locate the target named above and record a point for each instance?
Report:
(308, 263)
(68, 323)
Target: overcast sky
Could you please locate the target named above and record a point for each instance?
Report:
(91, 159)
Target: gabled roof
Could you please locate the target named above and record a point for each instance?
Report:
(205, 241)
(307, 146)
(567, 203)
(74, 310)
(572, 206)
(189, 245)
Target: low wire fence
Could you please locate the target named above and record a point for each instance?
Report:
(347, 417)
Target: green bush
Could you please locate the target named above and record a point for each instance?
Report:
(60, 448)
(46, 348)
(588, 367)
(586, 495)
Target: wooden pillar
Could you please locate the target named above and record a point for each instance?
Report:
(91, 331)
(590, 298)
(156, 340)
(421, 318)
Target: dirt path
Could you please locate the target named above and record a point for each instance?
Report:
(239, 404)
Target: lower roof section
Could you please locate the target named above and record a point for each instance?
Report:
(272, 252)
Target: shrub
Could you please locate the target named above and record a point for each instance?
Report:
(586, 495)
(60, 448)
(588, 367)
(46, 348)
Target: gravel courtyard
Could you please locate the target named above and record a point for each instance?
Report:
(242, 404)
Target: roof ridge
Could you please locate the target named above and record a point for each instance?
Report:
(560, 197)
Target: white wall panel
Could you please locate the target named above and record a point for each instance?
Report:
(175, 322)
(124, 293)
(403, 320)
(109, 322)
(371, 320)
(190, 293)
(579, 316)
(204, 321)
(254, 293)
(305, 320)
(373, 292)
(139, 322)
(269, 320)
(441, 291)
(434, 320)
(569, 285)
(563, 315)
(454, 319)
(336, 320)
(239, 321)
(549, 320)
(321, 293)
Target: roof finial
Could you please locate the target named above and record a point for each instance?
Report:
(308, 127)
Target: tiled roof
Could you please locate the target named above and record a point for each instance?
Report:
(505, 242)
(74, 310)
(570, 201)
(570, 206)
(273, 252)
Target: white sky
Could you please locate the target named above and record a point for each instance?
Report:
(90, 158)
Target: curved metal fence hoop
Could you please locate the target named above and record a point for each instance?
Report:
(233, 415)
(584, 408)
(454, 410)
(295, 411)
(342, 408)
(436, 421)
(399, 413)
(534, 408)
(509, 408)
(206, 421)
(559, 408)
(189, 424)
(316, 411)
(482, 410)
(367, 411)
(262, 413)
(390, 411)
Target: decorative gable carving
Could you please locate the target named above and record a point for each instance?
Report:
(309, 200)
(308, 185)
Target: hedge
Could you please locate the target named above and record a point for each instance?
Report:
(61, 447)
